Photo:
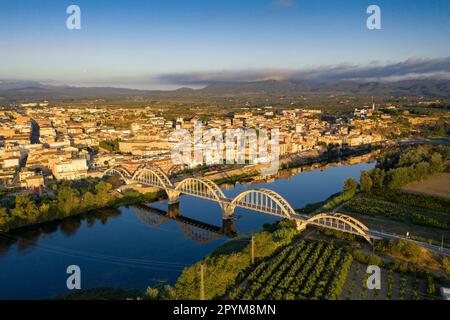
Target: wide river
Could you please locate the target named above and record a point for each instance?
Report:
(133, 248)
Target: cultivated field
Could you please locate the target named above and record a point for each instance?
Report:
(394, 286)
(423, 216)
(307, 270)
(437, 185)
(320, 270)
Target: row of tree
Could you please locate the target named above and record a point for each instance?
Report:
(67, 201)
(413, 164)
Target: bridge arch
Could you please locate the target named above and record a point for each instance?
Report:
(361, 225)
(152, 220)
(264, 200)
(153, 176)
(197, 234)
(203, 188)
(340, 222)
(176, 168)
(118, 171)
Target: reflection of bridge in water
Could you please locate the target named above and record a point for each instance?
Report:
(260, 200)
(192, 229)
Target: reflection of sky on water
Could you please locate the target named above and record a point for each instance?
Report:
(115, 249)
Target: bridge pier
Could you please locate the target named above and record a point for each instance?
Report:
(174, 196)
(227, 211)
(301, 225)
(174, 210)
(228, 227)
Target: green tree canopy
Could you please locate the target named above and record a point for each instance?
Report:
(350, 185)
(365, 182)
(68, 200)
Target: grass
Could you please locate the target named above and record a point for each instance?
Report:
(415, 209)
(229, 261)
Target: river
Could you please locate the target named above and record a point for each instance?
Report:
(132, 248)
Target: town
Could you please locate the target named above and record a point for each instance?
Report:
(250, 152)
(42, 143)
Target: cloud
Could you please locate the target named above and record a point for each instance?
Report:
(412, 68)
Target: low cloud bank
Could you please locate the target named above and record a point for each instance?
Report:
(412, 68)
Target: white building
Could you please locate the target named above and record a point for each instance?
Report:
(73, 169)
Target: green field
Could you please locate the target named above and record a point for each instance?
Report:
(400, 206)
(307, 270)
(394, 286)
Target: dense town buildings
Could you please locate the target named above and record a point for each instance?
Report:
(39, 143)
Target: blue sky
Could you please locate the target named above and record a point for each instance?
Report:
(130, 43)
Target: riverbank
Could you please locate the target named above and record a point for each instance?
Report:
(44, 212)
(314, 264)
(127, 248)
(116, 200)
(382, 201)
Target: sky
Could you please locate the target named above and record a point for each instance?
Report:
(171, 43)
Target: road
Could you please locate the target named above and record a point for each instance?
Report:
(389, 236)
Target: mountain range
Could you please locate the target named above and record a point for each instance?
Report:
(15, 91)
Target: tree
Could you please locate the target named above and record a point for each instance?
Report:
(103, 196)
(412, 156)
(378, 176)
(396, 178)
(5, 219)
(422, 170)
(25, 208)
(110, 145)
(350, 185)
(167, 293)
(152, 293)
(68, 201)
(89, 201)
(365, 182)
(436, 164)
(32, 211)
(430, 287)
(44, 210)
(446, 263)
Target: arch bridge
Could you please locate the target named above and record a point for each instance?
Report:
(260, 200)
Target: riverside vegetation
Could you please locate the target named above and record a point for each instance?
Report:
(378, 192)
(67, 199)
(289, 267)
(394, 170)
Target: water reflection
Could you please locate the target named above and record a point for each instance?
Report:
(28, 237)
(115, 248)
(192, 229)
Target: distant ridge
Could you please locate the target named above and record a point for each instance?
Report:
(428, 88)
